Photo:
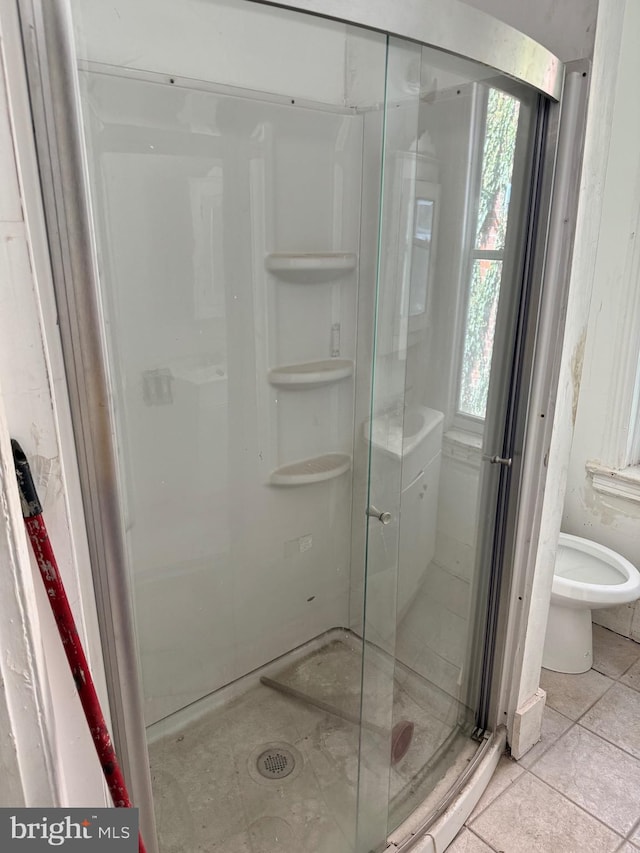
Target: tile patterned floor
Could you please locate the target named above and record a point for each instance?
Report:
(578, 790)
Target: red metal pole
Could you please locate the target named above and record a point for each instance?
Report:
(43, 551)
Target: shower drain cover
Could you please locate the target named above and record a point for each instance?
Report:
(276, 763)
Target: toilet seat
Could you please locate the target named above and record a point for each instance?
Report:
(588, 574)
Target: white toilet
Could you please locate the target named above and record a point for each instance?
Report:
(586, 576)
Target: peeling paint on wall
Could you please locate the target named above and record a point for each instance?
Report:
(577, 360)
(47, 477)
(604, 512)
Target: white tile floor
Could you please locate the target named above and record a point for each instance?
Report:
(578, 790)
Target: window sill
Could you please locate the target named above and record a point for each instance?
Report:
(619, 482)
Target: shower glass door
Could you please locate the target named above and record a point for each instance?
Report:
(456, 196)
(309, 249)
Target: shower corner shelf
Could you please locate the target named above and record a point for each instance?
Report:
(311, 374)
(314, 470)
(318, 262)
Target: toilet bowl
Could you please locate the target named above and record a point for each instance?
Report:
(586, 576)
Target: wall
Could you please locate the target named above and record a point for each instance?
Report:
(197, 40)
(217, 600)
(193, 186)
(41, 718)
(611, 341)
(196, 593)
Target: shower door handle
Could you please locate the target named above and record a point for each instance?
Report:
(499, 460)
(384, 517)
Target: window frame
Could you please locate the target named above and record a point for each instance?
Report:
(466, 422)
(461, 421)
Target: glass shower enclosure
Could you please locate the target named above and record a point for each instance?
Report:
(297, 348)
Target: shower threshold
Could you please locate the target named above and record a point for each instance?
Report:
(253, 769)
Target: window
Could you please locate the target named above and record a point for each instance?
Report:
(486, 253)
(421, 254)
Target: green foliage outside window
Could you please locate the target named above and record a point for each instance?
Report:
(486, 272)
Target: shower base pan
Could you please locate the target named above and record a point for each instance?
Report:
(252, 769)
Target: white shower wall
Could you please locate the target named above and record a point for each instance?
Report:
(206, 168)
(195, 190)
(198, 40)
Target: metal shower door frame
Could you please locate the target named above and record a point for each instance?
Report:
(450, 26)
(53, 83)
